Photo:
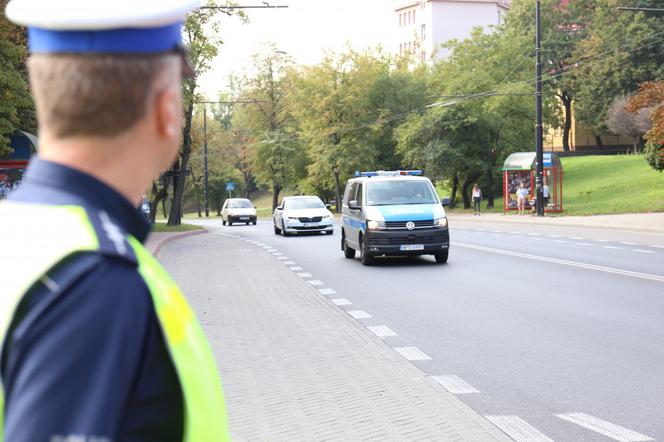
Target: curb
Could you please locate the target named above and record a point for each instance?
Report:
(564, 223)
(158, 246)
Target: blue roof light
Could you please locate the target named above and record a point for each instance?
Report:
(389, 173)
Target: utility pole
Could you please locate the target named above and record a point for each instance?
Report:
(205, 144)
(539, 154)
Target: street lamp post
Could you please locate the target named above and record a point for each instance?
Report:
(205, 148)
(539, 154)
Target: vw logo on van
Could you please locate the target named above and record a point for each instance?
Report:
(410, 225)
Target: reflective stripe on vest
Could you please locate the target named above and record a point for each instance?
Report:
(36, 238)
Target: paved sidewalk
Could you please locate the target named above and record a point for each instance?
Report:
(295, 366)
(641, 222)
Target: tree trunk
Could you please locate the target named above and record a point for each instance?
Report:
(599, 142)
(175, 217)
(455, 189)
(464, 189)
(567, 125)
(198, 202)
(490, 192)
(158, 195)
(337, 191)
(276, 189)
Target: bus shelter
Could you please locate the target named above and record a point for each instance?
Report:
(12, 166)
(521, 167)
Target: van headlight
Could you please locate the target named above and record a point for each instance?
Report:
(376, 225)
(441, 222)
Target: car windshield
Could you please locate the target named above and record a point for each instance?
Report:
(303, 203)
(383, 193)
(240, 204)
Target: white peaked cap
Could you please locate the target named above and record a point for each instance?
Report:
(95, 15)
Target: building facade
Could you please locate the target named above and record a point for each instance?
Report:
(424, 25)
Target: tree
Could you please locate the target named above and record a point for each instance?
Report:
(651, 96)
(16, 105)
(275, 153)
(621, 50)
(202, 36)
(620, 121)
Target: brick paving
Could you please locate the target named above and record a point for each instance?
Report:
(295, 367)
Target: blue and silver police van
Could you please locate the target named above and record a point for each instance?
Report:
(393, 213)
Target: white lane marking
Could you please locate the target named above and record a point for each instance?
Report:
(534, 238)
(304, 275)
(327, 292)
(260, 244)
(270, 250)
(576, 238)
(559, 240)
(296, 268)
(659, 247)
(603, 240)
(612, 247)
(582, 265)
(412, 353)
(643, 251)
(583, 244)
(603, 427)
(283, 258)
(515, 233)
(629, 243)
(455, 384)
(290, 263)
(534, 234)
(554, 236)
(359, 314)
(341, 301)
(496, 231)
(518, 429)
(382, 331)
(315, 282)
(277, 254)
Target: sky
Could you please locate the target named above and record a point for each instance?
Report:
(304, 30)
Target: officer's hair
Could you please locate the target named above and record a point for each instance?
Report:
(94, 95)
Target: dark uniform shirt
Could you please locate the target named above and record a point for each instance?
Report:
(85, 355)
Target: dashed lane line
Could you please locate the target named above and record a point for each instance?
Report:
(290, 263)
(304, 275)
(612, 247)
(295, 268)
(412, 353)
(327, 292)
(315, 282)
(455, 384)
(382, 331)
(277, 254)
(359, 314)
(603, 427)
(341, 301)
(518, 429)
(643, 251)
(560, 240)
(582, 265)
(625, 243)
(283, 258)
(583, 244)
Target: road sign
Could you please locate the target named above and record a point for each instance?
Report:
(230, 186)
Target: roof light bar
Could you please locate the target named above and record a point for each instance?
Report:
(389, 173)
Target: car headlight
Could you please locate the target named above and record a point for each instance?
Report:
(376, 225)
(441, 222)
(327, 217)
(292, 218)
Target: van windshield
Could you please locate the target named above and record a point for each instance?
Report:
(387, 193)
(239, 204)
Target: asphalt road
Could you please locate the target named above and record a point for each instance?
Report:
(558, 331)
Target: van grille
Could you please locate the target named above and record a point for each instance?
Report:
(401, 225)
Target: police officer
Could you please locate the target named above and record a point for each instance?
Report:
(98, 343)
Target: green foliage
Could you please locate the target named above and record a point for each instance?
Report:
(654, 155)
(622, 50)
(16, 106)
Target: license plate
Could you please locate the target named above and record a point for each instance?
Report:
(310, 224)
(411, 247)
(244, 218)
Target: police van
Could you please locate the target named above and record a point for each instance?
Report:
(393, 213)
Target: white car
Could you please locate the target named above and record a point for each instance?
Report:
(238, 210)
(302, 214)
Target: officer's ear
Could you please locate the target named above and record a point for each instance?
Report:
(168, 109)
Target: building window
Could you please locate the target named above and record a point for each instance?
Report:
(424, 33)
(414, 11)
(409, 17)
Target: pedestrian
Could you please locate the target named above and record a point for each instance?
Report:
(521, 195)
(477, 199)
(99, 344)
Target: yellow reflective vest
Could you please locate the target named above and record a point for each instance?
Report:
(36, 238)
